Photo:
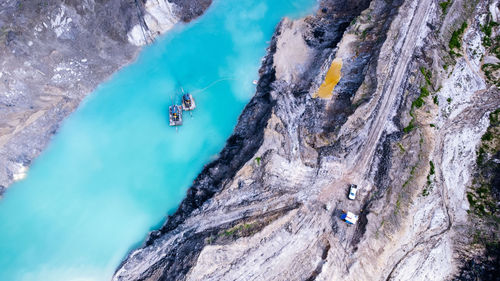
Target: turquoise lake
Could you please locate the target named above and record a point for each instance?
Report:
(115, 168)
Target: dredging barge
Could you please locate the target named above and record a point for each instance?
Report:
(175, 115)
(188, 103)
(175, 111)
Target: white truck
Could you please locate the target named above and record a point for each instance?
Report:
(353, 189)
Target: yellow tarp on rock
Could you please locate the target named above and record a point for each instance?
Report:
(331, 80)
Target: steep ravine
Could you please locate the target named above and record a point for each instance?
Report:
(404, 124)
(53, 53)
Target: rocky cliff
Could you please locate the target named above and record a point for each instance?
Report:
(412, 122)
(53, 53)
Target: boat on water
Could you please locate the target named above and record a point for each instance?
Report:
(188, 103)
(175, 115)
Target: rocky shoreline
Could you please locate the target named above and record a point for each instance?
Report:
(325, 31)
(239, 149)
(248, 134)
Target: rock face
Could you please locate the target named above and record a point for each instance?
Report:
(404, 124)
(54, 53)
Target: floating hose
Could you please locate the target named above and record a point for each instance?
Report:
(212, 84)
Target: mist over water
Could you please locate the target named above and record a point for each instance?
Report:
(115, 168)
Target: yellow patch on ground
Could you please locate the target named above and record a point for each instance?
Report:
(331, 80)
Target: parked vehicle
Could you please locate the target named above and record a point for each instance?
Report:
(353, 189)
(349, 217)
(175, 115)
(188, 102)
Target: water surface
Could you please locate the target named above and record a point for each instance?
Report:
(115, 168)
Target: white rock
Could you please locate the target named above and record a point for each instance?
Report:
(495, 12)
(20, 173)
(294, 54)
(60, 23)
(491, 60)
(159, 18)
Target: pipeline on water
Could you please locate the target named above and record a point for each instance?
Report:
(212, 84)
